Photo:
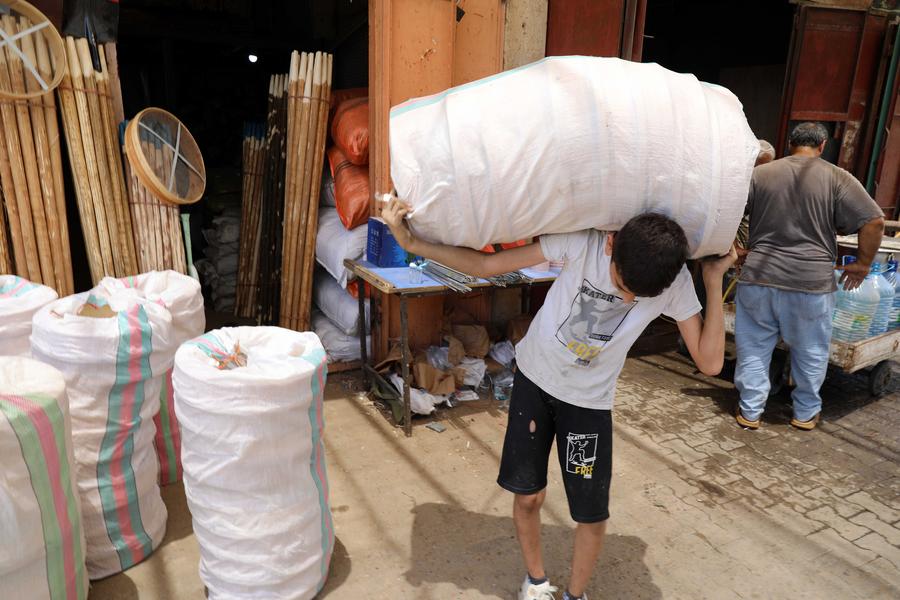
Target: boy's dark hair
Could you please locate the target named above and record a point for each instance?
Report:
(649, 251)
(808, 134)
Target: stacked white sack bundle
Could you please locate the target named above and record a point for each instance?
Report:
(249, 400)
(42, 543)
(181, 295)
(113, 348)
(569, 143)
(19, 300)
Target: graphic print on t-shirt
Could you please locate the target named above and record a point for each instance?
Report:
(593, 319)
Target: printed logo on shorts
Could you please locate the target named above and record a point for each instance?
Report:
(581, 453)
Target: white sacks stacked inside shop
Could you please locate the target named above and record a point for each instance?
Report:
(614, 139)
(336, 320)
(42, 547)
(343, 218)
(19, 300)
(249, 401)
(114, 346)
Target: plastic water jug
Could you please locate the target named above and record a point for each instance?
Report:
(854, 310)
(886, 299)
(894, 277)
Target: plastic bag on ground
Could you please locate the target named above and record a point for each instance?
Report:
(19, 300)
(334, 244)
(569, 143)
(124, 344)
(504, 353)
(420, 401)
(42, 543)
(439, 357)
(470, 371)
(250, 404)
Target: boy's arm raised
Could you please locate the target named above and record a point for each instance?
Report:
(705, 339)
(465, 260)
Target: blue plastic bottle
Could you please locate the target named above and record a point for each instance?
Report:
(894, 277)
(886, 300)
(854, 310)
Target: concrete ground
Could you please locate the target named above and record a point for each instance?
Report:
(700, 508)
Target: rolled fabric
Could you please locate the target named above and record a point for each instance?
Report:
(249, 400)
(42, 546)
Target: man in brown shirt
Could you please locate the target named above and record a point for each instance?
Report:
(797, 206)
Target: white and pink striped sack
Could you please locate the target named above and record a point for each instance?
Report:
(19, 300)
(113, 348)
(41, 539)
(181, 295)
(249, 400)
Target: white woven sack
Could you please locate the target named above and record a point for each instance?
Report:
(181, 295)
(337, 303)
(114, 368)
(254, 462)
(19, 300)
(41, 540)
(334, 243)
(569, 143)
(339, 346)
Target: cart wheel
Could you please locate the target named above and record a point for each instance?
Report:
(880, 378)
(776, 372)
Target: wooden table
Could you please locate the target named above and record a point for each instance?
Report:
(397, 281)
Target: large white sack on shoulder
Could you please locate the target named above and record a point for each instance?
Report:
(42, 543)
(569, 143)
(339, 346)
(19, 300)
(254, 462)
(337, 303)
(334, 243)
(181, 295)
(113, 353)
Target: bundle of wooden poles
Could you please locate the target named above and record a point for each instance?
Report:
(91, 129)
(37, 243)
(157, 223)
(309, 92)
(272, 209)
(253, 162)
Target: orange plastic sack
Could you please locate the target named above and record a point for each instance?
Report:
(350, 130)
(339, 96)
(353, 288)
(351, 189)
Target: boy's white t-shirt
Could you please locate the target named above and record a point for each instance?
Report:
(576, 345)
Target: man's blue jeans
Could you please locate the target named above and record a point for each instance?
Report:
(803, 321)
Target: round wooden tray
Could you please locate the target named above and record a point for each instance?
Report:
(165, 158)
(33, 57)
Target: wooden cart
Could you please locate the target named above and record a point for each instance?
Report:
(874, 353)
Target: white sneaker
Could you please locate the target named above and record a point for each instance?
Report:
(543, 591)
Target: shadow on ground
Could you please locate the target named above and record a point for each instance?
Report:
(474, 551)
(339, 570)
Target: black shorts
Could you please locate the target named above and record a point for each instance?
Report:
(583, 443)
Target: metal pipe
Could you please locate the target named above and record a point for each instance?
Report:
(883, 114)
